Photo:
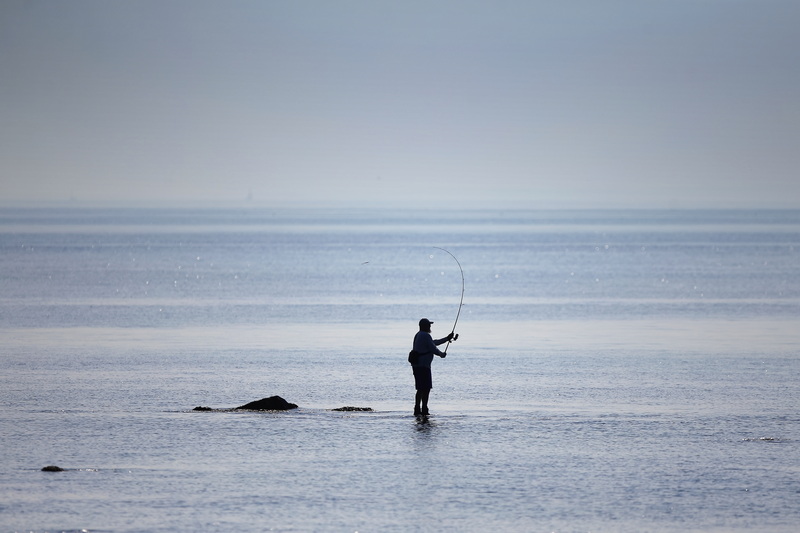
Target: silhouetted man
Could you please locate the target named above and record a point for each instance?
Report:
(426, 348)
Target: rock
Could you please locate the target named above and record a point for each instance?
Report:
(351, 408)
(200, 408)
(52, 468)
(273, 403)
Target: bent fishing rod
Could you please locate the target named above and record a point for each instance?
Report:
(453, 331)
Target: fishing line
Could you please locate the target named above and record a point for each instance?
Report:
(462, 296)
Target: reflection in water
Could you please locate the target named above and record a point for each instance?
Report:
(424, 429)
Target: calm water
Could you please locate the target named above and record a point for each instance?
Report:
(616, 371)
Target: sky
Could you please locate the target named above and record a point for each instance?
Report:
(430, 104)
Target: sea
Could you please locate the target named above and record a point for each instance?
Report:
(615, 371)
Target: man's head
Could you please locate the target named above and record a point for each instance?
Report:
(425, 325)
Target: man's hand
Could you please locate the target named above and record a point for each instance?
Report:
(450, 337)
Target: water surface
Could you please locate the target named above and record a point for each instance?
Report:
(616, 371)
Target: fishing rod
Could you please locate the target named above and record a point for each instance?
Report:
(455, 337)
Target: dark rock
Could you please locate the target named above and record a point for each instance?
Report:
(273, 403)
(52, 468)
(351, 408)
(200, 408)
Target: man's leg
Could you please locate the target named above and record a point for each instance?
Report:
(425, 394)
(417, 401)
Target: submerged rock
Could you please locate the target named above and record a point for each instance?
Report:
(273, 403)
(52, 468)
(276, 403)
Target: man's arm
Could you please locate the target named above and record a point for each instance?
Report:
(444, 340)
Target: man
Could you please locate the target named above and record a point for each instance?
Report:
(425, 347)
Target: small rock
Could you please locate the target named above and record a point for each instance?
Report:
(273, 403)
(52, 468)
(351, 408)
(201, 408)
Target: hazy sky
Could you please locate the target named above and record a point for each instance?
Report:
(640, 103)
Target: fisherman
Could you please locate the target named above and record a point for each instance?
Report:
(425, 348)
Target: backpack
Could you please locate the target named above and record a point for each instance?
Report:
(413, 357)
